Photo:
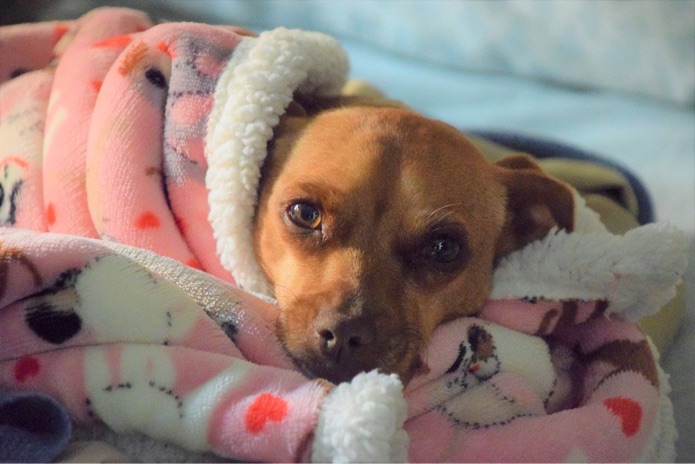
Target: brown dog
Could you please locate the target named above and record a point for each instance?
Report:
(376, 224)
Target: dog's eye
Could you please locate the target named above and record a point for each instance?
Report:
(440, 253)
(442, 250)
(304, 215)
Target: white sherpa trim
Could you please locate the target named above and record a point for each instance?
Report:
(585, 218)
(636, 273)
(362, 421)
(253, 91)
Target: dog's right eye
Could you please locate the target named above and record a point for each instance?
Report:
(304, 215)
(441, 251)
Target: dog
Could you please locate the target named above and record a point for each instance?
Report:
(376, 224)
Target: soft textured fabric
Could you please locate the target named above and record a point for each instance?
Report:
(91, 451)
(111, 143)
(126, 332)
(145, 344)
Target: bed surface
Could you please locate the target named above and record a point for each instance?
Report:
(651, 135)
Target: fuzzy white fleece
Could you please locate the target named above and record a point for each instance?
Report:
(362, 421)
(253, 91)
(636, 273)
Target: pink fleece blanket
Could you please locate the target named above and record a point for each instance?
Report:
(124, 136)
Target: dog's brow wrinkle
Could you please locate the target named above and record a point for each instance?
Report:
(312, 188)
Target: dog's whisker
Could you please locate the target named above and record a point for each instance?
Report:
(434, 217)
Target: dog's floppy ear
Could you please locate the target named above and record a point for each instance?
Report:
(535, 203)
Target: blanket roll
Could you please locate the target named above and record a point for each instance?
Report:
(115, 139)
(90, 50)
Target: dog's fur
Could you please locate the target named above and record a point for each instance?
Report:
(376, 224)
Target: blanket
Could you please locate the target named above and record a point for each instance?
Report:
(129, 292)
(142, 343)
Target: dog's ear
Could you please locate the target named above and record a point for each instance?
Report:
(535, 203)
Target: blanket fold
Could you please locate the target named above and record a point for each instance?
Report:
(130, 293)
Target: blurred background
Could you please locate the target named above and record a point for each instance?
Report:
(615, 78)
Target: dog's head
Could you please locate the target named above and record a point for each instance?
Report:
(375, 225)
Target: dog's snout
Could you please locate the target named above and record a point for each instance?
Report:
(340, 336)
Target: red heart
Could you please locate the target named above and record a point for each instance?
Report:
(628, 411)
(147, 220)
(265, 408)
(26, 367)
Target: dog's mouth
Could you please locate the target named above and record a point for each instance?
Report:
(400, 357)
(316, 367)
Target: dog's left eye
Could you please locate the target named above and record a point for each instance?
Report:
(441, 250)
(304, 215)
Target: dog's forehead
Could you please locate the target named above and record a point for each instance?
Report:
(430, 199)
(365, 135)
(382, 155)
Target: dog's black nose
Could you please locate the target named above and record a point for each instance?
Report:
(340, 336)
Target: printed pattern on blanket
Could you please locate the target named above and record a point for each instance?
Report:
(110, 143)
(615, 404)
(126, 101)
(125, 343)
(90, 50)
(113, 341)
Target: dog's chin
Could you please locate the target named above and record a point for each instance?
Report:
(318, 367)
(328, 371)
